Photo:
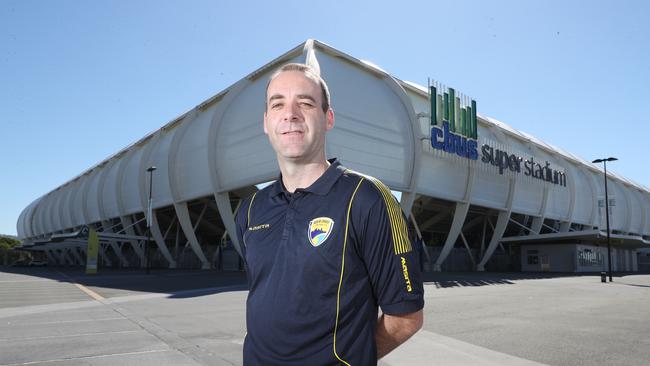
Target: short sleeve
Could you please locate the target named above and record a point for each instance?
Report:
(390, 258)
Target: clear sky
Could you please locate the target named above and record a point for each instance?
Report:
(80, 80)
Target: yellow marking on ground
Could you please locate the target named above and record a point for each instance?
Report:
(90, 292)
(83, 288)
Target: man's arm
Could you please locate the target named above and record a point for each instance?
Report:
(393, 330)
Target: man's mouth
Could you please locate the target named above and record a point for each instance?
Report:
(292, 133)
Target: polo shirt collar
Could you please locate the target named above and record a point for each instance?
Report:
(321, 186)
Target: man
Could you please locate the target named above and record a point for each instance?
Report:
(323, 246)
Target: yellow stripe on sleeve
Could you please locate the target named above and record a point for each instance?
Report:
(401, 242)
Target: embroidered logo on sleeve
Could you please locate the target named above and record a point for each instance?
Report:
(319, 230)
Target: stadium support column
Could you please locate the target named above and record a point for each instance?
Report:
(627, 222)
(406, 202)
(459, 219)
(127, 224)
(184, 220)
(538, 221)
(76, 256)
(419, 235)
(460, 214)
(102, 253)
(500, 228)
(536, 226)
(644, 213)
(58, 254)
(83, 255)
(565, 225)
(63, 257)
(160, 240)
(70, 257)
(502, 222)
(106, 226)
(228, 218)
(51, 258)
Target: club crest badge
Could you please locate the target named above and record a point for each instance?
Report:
(319, 230)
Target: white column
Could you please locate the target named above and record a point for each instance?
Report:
(160, 241)
(76, 256)
(50, 257)
(185, 221)
(500, 228)
(106, 226)
(102, 253)
(127, 224)
(228, 218)
(460, 214)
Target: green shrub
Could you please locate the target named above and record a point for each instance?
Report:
(7, 256)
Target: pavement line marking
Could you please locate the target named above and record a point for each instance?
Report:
(90, 292)
(43, 308)
(72, 321)
(16, 281)
(83, 288)
(86, 357)
(69, 335)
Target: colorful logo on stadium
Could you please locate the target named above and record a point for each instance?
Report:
(453, 122)
(319, 230)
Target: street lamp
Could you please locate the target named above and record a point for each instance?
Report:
(149, 217)
(609, 248)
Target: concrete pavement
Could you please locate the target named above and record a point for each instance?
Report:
(61, 317)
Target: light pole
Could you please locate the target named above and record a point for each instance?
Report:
(149, 217)
(609, 248)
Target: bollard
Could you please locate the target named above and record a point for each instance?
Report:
(603, 277)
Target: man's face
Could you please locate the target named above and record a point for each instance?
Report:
(294, 119)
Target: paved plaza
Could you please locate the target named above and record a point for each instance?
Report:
(59, 316)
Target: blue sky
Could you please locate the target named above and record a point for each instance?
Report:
(79, 80)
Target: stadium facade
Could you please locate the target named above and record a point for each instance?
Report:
(480, 194)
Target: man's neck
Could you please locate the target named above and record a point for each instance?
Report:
(301, 175)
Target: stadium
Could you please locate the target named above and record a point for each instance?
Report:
(479, 194)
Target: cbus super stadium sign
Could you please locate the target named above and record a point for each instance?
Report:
(453, 123)
(454, 131)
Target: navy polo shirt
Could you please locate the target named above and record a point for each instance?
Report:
(320, 261)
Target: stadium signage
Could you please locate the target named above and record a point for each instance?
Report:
(505, 161)
(453, 122)
(454, 131)
(445, 140)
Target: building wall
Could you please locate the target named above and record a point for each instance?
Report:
(548, 258)
(576, 258)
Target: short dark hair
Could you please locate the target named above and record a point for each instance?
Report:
(310, 73)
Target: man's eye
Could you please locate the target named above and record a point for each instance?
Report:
(306, 104)
(276, 106)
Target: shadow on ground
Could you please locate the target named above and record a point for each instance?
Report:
(120, 282)
(194, 283)
(464, 279)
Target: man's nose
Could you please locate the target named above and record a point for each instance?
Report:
(292, 112)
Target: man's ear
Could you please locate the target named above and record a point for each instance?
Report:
(266, 131)
(329, 119)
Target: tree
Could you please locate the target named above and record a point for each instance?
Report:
(6, 244)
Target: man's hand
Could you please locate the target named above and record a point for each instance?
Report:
(393, 330)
